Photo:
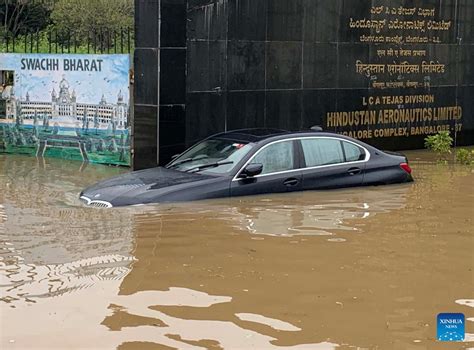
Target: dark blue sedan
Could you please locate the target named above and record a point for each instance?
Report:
(254, 161)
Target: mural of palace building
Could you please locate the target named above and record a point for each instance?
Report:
(65, 110)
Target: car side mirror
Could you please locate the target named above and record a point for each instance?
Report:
(251, 170)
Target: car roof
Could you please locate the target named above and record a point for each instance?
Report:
(265, 135)
(261, 134)
(251, 135)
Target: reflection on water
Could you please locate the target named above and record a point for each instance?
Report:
(316, 214)
(295, 214)
(48, 246)
(246, 273)
(194, 333)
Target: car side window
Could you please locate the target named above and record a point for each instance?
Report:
(276, 157)
(322, 151)
(353, 153)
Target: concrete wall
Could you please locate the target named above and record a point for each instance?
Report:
(388, 72)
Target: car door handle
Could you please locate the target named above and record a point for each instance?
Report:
(291, 182)
(353, 171)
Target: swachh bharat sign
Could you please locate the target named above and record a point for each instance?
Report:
(67, 106)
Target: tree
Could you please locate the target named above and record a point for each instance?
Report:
(98, 18)
(24, 16)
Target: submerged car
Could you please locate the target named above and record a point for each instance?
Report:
(251, 162)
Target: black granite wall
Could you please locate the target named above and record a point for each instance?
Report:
(388, 72)
(159, 81)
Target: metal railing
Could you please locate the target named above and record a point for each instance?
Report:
(54, 41)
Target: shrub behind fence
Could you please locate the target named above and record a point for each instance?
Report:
(54, 41)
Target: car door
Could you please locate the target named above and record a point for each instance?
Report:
(280, 172)
(332, 163)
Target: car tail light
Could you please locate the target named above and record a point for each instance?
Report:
(405, 167)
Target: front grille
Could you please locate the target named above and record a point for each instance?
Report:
(95, 203)
(100, 204)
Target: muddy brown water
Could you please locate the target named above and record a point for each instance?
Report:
(361, 268)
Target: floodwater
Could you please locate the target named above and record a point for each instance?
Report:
(362, 268)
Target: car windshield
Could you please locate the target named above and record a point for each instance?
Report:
(212, 156)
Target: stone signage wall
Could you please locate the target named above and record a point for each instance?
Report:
(387, 72)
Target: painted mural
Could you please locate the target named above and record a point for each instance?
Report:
(67, 106)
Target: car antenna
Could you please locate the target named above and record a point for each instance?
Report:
(316, 128)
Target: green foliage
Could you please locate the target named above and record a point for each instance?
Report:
(23, 16)
(440, 143)
(87, 17)
(75, 26)
(465, 156)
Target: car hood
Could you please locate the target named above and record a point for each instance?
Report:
(131, 185)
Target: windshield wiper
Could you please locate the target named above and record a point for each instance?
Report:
(187, 160)
(207, 166)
